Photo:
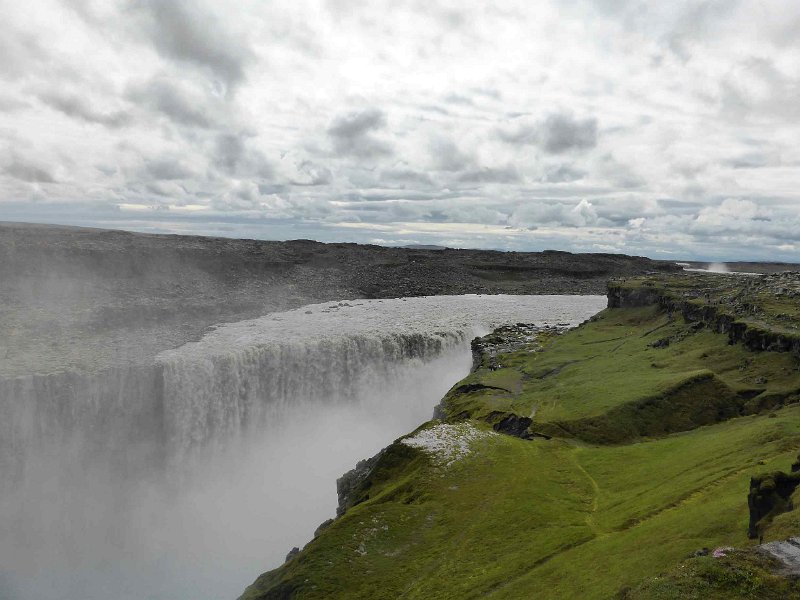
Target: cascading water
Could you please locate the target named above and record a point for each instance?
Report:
(190, 477)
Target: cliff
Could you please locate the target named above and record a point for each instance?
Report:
(583, 464)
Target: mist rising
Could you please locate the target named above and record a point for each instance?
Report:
(188, 478)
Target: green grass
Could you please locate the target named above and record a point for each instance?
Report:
(544, 519)
(448, 534)
(597, 369)
(564, 518)
(744, 575)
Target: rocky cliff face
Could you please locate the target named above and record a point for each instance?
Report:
(741, 315)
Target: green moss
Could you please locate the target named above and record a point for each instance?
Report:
(606, 383)
(524, 518)
(739, 575)
(655, 445)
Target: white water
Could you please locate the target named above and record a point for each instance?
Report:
(718, 268)
(204, 475)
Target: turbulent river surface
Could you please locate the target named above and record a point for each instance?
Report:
(188, 478)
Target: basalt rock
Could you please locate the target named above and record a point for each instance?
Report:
(348, 483)
(727, 316)
(770, 495)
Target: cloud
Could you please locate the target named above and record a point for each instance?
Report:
(185, 31)
(309, 174)
(12, 104)
(405, 178)
(583, 214)
(447, 157)
(233, 157)
(178, 101)
(609, 124)
(563, 174)
(167, 169)
(27, 169)
(79, 108)
(556, 134)
(731, 215)
(505, 174)
(553, 213)
(353, 134)
(20, 51)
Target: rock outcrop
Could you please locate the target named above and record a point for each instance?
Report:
(738, 315)
(770, 495)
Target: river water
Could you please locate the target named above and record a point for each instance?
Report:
(190, 478)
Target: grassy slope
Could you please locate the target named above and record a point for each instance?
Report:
(563, 518)
(741, 574)
(544, 519)
(588, 373)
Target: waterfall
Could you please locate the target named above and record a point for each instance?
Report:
(211, 399)
(189, 476)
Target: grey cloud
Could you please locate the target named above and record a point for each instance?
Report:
(163, 189)
(619, 211)
(357, 124)
(563, 174)
(78, 108)
(175, 102)
(311, 174)
(751, 160)
(436, 216)
(560, 133)
(434, 108)
(107, 170)
(694, 24)
(353, 134)
(404, 177)
(679, 207)
(618, 174)
(183, 31)
(489, 93)
(775, 98)
(272, 188)
(447, 156)
(234, 158)
(167, 169)
(525, 134)
(554, 213)
(459, 99)
(10, 104)
(28, 170)
(229, 152)
(556, 134)
(507, 174)
(18, 51)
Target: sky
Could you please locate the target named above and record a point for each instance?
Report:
(665, 129)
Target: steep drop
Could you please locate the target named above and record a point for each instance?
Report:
(187, 478)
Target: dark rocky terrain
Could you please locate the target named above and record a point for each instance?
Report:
(81, 298)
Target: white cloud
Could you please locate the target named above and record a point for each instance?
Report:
(586, 124)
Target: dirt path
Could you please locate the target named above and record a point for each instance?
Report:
(590, 520)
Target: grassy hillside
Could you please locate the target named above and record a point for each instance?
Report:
(636, 436)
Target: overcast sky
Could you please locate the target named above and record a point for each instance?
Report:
(668, 129)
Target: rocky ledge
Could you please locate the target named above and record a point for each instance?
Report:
(759, 311)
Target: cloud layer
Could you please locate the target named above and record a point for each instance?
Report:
(586, 125)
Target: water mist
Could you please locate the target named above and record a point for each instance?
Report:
(189, 478)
